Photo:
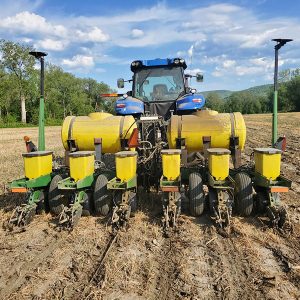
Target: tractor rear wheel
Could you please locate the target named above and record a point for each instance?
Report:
(196, 194)
(55, 198)
(101, 196)
(243, 194)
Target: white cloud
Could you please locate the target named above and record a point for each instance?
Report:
(79, 61)
(93, 35)
(229, 63)
(27, 22)
(137, 33)
(50, 44)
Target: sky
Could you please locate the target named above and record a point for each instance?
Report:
(229, 41)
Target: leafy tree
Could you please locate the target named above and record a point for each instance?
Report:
(19, 64)
(215, 102)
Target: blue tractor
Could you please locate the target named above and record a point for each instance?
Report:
(159, 87)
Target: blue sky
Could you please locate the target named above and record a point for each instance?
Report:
(229, 41)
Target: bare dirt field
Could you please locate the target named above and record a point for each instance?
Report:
(196, 262)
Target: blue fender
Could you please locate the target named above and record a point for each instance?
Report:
(129, 106)
(190, 102)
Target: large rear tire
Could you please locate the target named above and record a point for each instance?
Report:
(243, 194)
(101, 197)
(196, 194)
(56, 199)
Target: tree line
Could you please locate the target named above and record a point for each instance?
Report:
(65, 94)
(248, 102)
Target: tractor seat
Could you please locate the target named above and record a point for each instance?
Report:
(159, 91)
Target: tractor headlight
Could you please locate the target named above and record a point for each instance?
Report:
(181, 61)
(176, 61)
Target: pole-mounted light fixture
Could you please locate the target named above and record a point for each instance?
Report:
(280, 43)
(40, 56)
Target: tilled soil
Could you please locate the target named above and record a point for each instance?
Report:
(194, 262)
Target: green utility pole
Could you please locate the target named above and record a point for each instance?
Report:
(280, 43)
(40, 56)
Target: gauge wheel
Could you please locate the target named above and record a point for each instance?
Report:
(196, 194)
(56, 199)
(243, 194)
(101, 196)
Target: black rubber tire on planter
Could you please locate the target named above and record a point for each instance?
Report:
(86, 207)
(196, 194)
(243, 194)
(56, 199)
(101, 197)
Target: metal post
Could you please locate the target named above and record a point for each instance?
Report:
(42, 110)
(40, 57)
(280, 43)
(275, 102)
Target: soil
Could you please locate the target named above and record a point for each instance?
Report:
(194, 262)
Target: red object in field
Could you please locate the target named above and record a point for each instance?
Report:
(133, 140)
(30, 146)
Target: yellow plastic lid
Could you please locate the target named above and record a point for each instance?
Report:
(81, 153)
(218, 151)
(170, 151)
(267, 150)
(37, 153)
(126, 153)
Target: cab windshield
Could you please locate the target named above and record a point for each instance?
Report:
(159, 84)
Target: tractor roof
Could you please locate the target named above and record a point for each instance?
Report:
(157, 62)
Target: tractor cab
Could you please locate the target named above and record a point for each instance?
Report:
(159, 87)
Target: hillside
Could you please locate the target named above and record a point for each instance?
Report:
(259, 90)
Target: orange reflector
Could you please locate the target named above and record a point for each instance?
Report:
(170, 188)
(109, 95)
(19, 190)
(133, 140)
(279, 189)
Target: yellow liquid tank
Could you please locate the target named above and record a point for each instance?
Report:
(85, 129)
(207, 123)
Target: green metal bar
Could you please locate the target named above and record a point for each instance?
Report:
(70, 184)
(116, 184)
(42, 181)
(228, 183)
(34, 197)
(262, 181)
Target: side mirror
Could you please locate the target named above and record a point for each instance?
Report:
(120, 83)
(199, 77)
